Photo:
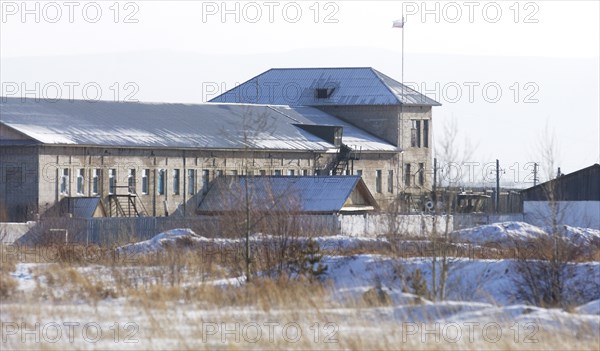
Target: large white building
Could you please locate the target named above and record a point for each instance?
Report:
(159, 159)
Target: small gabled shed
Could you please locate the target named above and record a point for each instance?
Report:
(294, 194)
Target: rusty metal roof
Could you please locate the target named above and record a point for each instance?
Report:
(339, 86)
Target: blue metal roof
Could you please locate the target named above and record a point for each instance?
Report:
(323, 194)
(207, 126)
(81, 207)
(346, 86)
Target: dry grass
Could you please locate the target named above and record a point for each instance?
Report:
(183, 326)
(171, 297)
(8, 263)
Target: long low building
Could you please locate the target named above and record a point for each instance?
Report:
(159, 159)
(571, 199)
(156, 159)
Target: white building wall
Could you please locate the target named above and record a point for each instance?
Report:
(584, 214)
(382, 224)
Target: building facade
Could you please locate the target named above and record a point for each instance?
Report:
(160, 159)
(367, 99)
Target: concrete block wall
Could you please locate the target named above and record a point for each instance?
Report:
(54, 159)
(393, 124)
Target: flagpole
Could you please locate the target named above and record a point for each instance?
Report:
(400, 24)
(402, 73)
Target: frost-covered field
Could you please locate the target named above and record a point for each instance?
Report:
(161, 294)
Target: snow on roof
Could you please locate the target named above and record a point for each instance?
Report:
(354, 137)
(210, 126)
(339, 86)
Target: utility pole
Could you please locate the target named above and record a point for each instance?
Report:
(434, 196)
(497, 186)
(535, 170)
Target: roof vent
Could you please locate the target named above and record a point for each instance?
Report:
(323, 93)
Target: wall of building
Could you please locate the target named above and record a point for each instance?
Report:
(379, 120)
(382, 224)
(385, 122)
(18, 183)
(370, 166)
(584, 214)
(54, 160)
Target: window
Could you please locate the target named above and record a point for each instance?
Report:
(205, 180)
(145, 185)
(378, 181)
(263, 172)
(323, 93)
(219, 173)
(250, 173)
(64, 181)
(407, 174)
(426, 133)
(347, 172)
(112, 180)
(421, 174)
(277, 172)
(96, 181)
(233, 173)
(80, 180)
(415, 133)
(390, 181)
(291, 172)
(359, 172)
(160, 186)
(305, 172)
(131, 181)
(176, 182)
(191, 181)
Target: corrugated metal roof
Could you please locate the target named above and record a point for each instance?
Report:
(324, 194)
(224, 126)
(208, 126)
(353, 137)
(581, 185)
(80, 207)
(350, 86)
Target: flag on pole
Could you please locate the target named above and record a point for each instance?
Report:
(398, 23)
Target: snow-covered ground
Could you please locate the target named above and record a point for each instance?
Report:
(509, 234)
(480, 301)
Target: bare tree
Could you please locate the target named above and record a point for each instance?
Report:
(452, 156)
(544, 270)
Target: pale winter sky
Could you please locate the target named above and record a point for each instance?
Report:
(503, 70)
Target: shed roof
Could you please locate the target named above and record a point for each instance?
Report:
(207, 126)
(316, 194)
(83, 207)
(581, 185)
(345, 86)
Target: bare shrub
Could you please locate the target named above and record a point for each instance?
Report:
(542, 272)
